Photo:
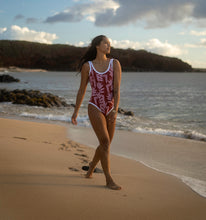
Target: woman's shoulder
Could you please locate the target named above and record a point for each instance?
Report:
(115, 62)
(85, 68)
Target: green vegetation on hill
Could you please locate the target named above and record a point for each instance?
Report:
(59, 57)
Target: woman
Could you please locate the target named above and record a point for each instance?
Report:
(104, 75)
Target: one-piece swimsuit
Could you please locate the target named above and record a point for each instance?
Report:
(102, 96)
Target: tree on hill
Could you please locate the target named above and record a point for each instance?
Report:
(59, 57)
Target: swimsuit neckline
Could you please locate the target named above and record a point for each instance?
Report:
(105, 70)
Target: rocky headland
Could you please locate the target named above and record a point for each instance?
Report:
(60, 57)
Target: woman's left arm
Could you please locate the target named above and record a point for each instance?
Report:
(117, 82)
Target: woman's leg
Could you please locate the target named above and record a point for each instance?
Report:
(102, 128)
(99, 125)
(110, 127)
(111, 130)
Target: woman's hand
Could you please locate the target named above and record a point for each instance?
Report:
(74, 119)
(112, 116)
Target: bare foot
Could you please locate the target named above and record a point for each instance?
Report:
(113, 185)
(88, 176)
(90, 171)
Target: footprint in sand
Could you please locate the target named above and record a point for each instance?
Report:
(64, 147)
(73, 169)
(81, 155)
(73, 144)
(80, 150)
(20, 138)
(46, 142)
(84, 161)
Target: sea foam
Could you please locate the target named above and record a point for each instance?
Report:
(121, 124)
(174, 133)
(196, 185)
(82, 121)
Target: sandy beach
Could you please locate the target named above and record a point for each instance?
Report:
(41, 178)
(19, 69)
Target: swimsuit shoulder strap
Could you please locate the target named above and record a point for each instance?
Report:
(90, 66)
(111, 63)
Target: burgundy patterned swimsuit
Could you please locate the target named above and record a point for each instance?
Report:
(102, 88)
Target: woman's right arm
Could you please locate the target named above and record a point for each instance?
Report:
(81, 91)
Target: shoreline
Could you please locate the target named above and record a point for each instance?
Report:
(171, 164)
(19, 69)
(169, 155)
(62, 119)
(41, 178)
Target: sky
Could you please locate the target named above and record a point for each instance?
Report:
(174, 28)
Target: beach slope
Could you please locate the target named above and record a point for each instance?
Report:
(41, 178)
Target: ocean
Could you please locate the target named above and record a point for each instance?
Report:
(169, 104)
(172, 104)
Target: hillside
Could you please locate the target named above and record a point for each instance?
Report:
(59, 57)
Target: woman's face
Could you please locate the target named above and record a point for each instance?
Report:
(104, 46)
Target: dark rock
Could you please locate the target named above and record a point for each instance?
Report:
(31, 97)
(129, 113)
(122, 111)
(8, 78)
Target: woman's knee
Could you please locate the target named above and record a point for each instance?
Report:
(104, 144)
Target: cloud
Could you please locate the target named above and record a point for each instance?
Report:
(31, 20)
(23, 33)
(200, 23)
(125, 44)
(152, 45)
(198, 33)
(79, 44)
(2, 30)
(18, 17)
(200, 44)
(28, 20)
(163, 48)
(203, 42)
(79, 11)
(156, 13)
(199, 8)
(152, 13)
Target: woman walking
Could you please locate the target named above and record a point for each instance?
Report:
(104, 75)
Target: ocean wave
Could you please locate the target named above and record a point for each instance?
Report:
(122, 123)
(198, 186)
(82, 121)
(174, 133)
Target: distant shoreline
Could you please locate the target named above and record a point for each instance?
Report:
(62, 57)
(201, 70)
(18, 69)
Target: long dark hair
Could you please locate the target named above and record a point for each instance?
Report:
(91, 52)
